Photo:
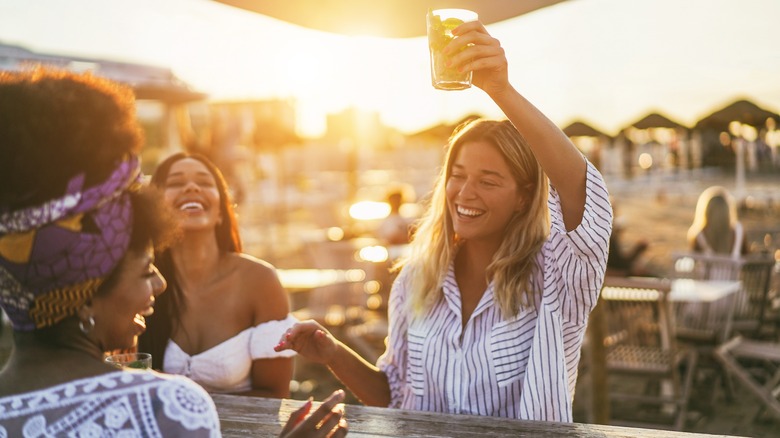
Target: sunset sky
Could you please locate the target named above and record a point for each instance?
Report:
(608, 62)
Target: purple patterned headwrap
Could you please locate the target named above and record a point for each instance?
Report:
(55, 256)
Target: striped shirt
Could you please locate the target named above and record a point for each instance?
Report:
(524, 367)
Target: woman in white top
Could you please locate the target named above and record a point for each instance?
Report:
(716, 228)
(489, 311)
(224, 310)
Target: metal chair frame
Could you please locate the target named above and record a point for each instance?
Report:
(757, 365)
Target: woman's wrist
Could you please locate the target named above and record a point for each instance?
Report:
(503, 96)
(333, 359)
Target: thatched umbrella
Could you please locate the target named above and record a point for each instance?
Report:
(582, 129)
(393, 18)
(643, 134)
(442, 131)
(588, 140)
(742, 111)
(656, 120)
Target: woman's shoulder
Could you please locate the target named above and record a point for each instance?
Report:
(259, 285)
(250, 262)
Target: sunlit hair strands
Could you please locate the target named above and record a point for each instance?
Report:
(435, 242)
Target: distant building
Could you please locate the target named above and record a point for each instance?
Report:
(148, 82)
(363, 129)
(157, 90)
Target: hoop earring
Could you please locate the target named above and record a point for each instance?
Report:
(88, 327)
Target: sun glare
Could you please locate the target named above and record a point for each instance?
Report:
(562, 58)
(329, 73)
(369, 210)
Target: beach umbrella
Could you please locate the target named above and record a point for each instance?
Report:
(582, 129)
(656, 130)
(442, 131)
(389, 18)
(742, 111)
(656, 120)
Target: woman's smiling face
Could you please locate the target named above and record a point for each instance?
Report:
(482, 195)
(192, 190)
(119, 312)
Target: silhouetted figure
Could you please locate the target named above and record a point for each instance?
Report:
(624, 262)
(394, 229)
(716, 228)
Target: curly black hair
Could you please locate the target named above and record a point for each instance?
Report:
(55, 124)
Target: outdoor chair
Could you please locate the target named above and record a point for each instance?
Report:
(707, 328)
(753, 316)
(642, 359)
(757, 365)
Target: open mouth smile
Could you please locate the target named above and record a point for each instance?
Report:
(468, 212)
(192, 206)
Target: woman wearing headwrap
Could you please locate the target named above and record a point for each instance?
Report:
(76, 269)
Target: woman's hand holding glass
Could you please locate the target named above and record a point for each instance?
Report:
(474, 49)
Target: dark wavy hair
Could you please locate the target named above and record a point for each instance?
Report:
(55, 124)
(228, 238)
(169, 305)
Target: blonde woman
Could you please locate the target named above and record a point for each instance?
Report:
(489, 311)
(716, 228)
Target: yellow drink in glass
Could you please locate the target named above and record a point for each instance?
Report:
(441, 22)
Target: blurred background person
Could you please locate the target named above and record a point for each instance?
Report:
(716, 228)
(625, 260)
(224, 310)
(395, 229)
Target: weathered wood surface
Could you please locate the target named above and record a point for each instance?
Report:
(242, 416)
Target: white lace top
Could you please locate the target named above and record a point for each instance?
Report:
(119, 404)
(226, 367)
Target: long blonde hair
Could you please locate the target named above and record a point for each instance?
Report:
(435, 243)
(715, 218)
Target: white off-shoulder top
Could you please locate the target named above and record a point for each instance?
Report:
(227, 367)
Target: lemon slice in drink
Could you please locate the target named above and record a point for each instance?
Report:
(452, 23)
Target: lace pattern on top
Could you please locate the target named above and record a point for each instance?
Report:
(120, 404)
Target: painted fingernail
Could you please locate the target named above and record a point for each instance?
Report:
(305, 408)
